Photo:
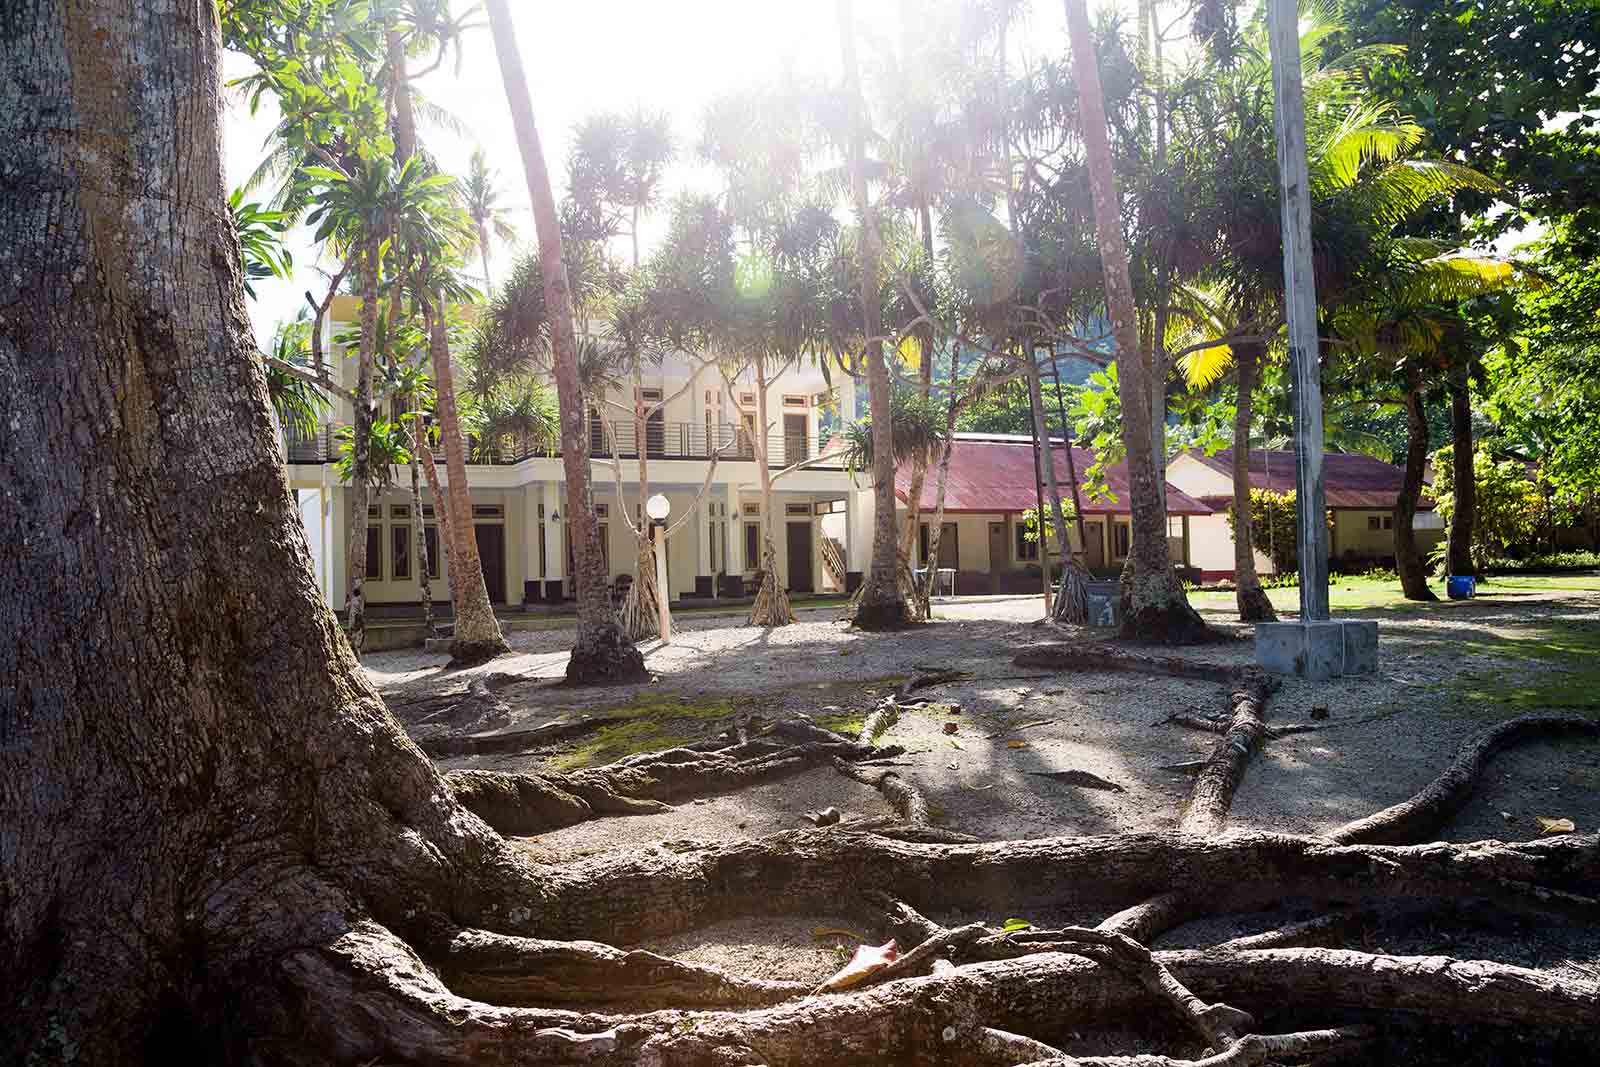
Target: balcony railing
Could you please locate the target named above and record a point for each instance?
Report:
(662, 440)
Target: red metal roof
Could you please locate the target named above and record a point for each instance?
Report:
(994, 473)
(1350, 480)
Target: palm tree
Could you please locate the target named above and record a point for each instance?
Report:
(1365, 180)
(615, 177)
(480, 194)
(883, 604)
(601, 653)
(1157, 607)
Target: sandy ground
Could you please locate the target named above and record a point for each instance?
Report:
(1385, 736)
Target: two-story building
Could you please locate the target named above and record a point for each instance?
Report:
(519, 496)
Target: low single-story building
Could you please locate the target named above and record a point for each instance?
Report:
(1361, 492)
(992, 482)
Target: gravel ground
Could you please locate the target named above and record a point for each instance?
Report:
(1385, 736)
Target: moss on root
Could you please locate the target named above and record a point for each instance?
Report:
(653, 721)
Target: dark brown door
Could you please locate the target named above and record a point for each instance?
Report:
(1094, 550)
(799, 536)
(492, 552)
(949, 547)
(999, 554)
(794, 439)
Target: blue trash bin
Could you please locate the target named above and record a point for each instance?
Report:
(1461, 586)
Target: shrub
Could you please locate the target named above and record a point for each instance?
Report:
(1273, 527)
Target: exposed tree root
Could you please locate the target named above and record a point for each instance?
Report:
(454, 744)
(1423, 814)
(1102, 657)
(905, 798)
(1214, 787)
(526, 971)
(1309, 933)
(1150, 918)
(1083, 875)
(1245, 1052)
(643, 784)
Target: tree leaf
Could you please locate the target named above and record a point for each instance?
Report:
(1015, 924)
(1555, 826)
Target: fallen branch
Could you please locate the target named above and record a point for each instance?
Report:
(1099, 657)
(905, 798)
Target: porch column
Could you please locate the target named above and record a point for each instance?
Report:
(555, 551)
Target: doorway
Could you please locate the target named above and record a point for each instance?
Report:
(1094, 549)
(794, 439)
(999, 554)
(492, 554)
(799, 545)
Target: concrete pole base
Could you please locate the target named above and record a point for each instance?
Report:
(1318, 650)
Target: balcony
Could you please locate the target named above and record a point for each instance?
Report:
(662, 440)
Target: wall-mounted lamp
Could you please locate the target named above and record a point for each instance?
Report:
(555, 516)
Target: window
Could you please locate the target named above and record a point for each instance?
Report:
(752, 509)
(794, 401)
(602, 510)
(430, 537)
(375, 553)
(399, 511)
(1026, 549)
(1121, 540)
(803, 510)
(1388, 522)
(488, 511)
(752, 546)
(400, 551)
(922, 542)
(1174, 525)
(1374, 522)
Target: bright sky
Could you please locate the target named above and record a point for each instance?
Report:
(615, 55)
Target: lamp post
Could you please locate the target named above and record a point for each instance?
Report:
(658, 507)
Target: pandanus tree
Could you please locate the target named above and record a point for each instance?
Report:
(601, 653)
(614, 179)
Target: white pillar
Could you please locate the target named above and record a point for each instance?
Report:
(555, 552)
(736, 561)
(532, 500)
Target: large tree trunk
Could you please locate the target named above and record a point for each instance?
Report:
(771, 607)
(197, 780)
(1407, 560)
(1253, 603)
(361, 448)
(601, 654)
(882, 605)
(1464, 480)
(1158, 610)
(420, 528)
(476, 636)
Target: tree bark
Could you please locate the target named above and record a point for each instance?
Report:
(882, 605)
(1253, 603)
(771, 607)
(1407, 560)
(421, 530)
(1463, 510)
(476, 636)
(601, 653)
(1158, 609)
(361, 449)
(196, 777)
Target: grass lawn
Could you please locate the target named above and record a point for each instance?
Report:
(1359, 592)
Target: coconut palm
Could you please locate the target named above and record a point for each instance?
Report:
(480, 195)
(601, 653)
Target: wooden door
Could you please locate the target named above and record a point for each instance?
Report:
(492, 553)
(794, 439)
(949, 547)
(799, 543)
(999, 554)
(1094, 550)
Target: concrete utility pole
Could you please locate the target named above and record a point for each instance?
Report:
(1300, 301)
(1314, 647)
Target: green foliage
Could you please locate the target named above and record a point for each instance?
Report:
(260, 233)
(298, 404)
(1274, 527)
(1544, 563)
(917, 430)
(388, 447)
(1507, 506)
(1030, 520)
